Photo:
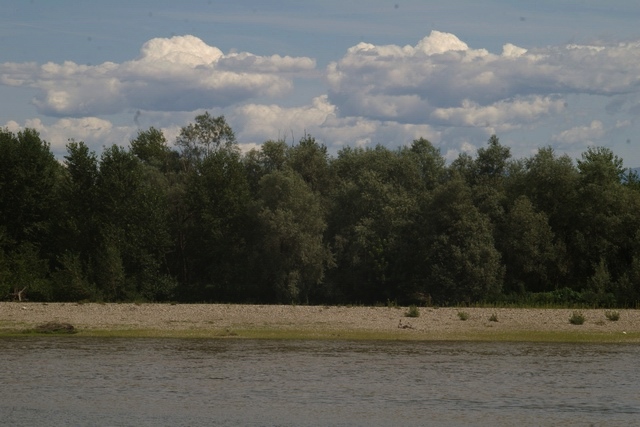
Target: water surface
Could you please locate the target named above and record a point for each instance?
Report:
(188, 382)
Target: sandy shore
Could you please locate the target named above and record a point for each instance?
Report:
(320, 321)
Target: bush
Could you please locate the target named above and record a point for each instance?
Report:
(463, 315)
(577, 318)
(614, 316)
(413, 311)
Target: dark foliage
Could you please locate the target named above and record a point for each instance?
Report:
(291, 224)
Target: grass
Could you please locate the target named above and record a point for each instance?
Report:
(463, 315)
(612, 315)
(351, 335)
(477, 329)
(577, 318)
(413, 311)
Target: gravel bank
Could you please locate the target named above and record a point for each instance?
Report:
(434, 323)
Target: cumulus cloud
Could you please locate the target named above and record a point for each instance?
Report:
(581, 134)
(95, 132)
(320, 120)
(178, 74)
(442, 78)
(439, 88)
(503, 115)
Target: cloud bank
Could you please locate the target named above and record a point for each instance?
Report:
(177, 74)
(439, 88)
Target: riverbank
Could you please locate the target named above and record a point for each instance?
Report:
(320, 322)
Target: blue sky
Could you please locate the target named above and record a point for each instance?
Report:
(564, 74)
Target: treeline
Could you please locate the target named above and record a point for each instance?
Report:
(198, 221)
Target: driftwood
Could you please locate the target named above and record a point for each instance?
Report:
(55, 328)
(18, 294)
(404, 325)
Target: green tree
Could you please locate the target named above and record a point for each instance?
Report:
(607, 222)
(292, 255)
(29, 182)
(459, 258)
(204, 137)
(272, 156)
(428, 163)
(151, 148)
(528, 249)
(372, 205)
(133, 231)
(29, 175)
(311, 161)
(217, 201)
(550, 182)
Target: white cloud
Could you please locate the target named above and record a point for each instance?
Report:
(262, 122)
(500, 116)
(440, 88)
(581, 134)
(178, 74)
(95, 132)
(442, 78)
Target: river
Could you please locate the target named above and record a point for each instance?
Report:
(73, 381)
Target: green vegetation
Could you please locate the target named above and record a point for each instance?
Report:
(197, 220)
(329, 334)
(463, 315)
(577, 318)
(612, 315)
(413, 311)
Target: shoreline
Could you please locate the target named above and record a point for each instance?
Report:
(319, 322)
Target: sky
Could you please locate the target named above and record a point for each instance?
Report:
(564, 74)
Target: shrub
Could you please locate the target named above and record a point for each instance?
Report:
(577, 318)
(413, 311)
(612, 315)
(493, 318)
(463, 315)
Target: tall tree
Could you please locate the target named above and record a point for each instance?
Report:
(29, 182)
(217, 199)
(133, 230)
(460, 261)
(292, 255)
(606, 223)
(528, 249)
(311, 161)
(29, 175)
(204, 137)
(151, 148)
(371, 208)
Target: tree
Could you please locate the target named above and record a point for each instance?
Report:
(200, 139)
(151, 148)
(428, 161)
(272, 156)
(459, 260)
(29, 182)
(29, 175)
(216, 228)
(606, 223)
(528, 249)
(292, 255)
(600, 166)
(492, 161)
(133, 231)
(311, 161)
(373, 203)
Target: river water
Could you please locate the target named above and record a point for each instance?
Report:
(74, 381)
